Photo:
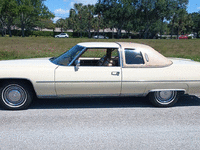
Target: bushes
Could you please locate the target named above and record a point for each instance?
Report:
(43, 33)
(71, 34)
(33, 33)
(46, 33)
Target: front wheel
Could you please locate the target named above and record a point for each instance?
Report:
(164, 98)
(15, 96)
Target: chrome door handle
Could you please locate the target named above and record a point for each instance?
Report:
(116, 73)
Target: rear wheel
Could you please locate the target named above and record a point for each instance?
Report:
(164, 98)
(15, 95)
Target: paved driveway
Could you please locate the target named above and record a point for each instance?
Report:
(96, 124)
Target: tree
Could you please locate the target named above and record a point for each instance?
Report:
(149, 12)
(119, 12)
(2, 19)
(196, 22)
(61, 23)
(72, 20)
(148, 17)
(89, 11)
(179, 16)
(164, 10)
(29, 11)
(46, 23)
(8, 13)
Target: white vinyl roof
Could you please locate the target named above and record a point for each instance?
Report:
(99, 44)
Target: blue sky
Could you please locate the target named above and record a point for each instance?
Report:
(61, 7)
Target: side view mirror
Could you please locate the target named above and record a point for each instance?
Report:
(77, 64)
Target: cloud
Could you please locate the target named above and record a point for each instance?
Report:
(61, 11)
(72, 4)
(55, 19)
(198, 7)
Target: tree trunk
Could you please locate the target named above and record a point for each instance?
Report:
(9, 31)
(23, 27)
(178, 32)
(89, 33)
(161, 29)
(146, 30)
(2, 33)
(197, 31)
(112, 33)
(172, 29)
(119, 33)
(81, 33)
(146, 33)
(98, 31)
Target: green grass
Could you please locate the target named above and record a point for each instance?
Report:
(30, 47)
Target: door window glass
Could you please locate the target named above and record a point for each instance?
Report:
(100, 57)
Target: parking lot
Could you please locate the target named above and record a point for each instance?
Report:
(103, 123)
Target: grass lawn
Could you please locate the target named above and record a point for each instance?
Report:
(30, 47)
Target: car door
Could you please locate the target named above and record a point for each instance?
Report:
(88, 81)
(133, 77)
(92, 78)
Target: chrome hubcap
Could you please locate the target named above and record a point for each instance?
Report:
(14, 95)
(165, 97)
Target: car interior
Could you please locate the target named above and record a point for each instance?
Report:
(100, 57)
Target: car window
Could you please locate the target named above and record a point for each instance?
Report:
(100, 57)
(68, 57)
(94, 53)
(133, 57)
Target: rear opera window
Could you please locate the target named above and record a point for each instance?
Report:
(133, 56)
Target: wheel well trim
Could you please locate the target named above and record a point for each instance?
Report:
(178, 90)
(24, 79)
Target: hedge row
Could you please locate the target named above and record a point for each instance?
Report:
(33, 33)
(71, 34)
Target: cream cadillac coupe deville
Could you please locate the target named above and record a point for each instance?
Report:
(99, 69)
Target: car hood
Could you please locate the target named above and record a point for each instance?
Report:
(26, 62)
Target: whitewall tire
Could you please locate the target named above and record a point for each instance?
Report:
(15, 96)
(164, 98)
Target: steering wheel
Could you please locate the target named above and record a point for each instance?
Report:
(101, 61)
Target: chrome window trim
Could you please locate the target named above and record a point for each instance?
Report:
(121, 81)
(146, 57)
(53, 61)
(84, 48)
(120, 54)
(134, 51)
(74, 81)
(163, 81)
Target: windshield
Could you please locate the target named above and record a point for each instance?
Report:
(67, 58)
